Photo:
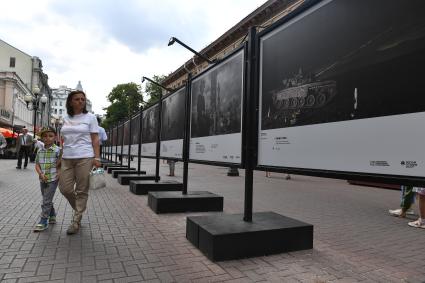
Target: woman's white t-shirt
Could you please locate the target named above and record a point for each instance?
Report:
(76, 134)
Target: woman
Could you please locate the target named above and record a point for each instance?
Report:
(80, 154)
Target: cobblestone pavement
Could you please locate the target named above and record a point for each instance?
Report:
(122, 240)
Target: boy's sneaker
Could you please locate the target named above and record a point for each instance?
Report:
(52, 219)
(42, 225)
(399, 212)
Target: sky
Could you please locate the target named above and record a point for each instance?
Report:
(103, 43)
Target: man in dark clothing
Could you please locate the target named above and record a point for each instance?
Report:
(23, 148)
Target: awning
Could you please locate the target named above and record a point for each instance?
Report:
(8, 133)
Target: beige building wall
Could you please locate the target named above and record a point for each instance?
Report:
(23, 62)
(13, 110)
(16, 82)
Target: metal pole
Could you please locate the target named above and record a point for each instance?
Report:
(110, 145)
(35, 116)
(116, 144)
(106, 149)
(111, 136)
(129, 144)
(122, 143)
(139, 150)
(158, 138)
(250, 125)
(186, 140)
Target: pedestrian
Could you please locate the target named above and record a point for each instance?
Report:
(3, 144)
(172, 165)
(420, 223)
(102, 135)
(23, 148)
(407, 199)
(80, 134)
(47, 162)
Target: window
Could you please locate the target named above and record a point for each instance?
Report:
(60, 111)
(56, 103)
(56, 111)
(60, 103)
(12, 62)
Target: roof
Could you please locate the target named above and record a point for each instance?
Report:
(16, 48)
(257, 17)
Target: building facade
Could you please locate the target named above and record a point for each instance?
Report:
(20, 73)
(263, 16)
(58, 104)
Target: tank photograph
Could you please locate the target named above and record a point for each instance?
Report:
(342, 72)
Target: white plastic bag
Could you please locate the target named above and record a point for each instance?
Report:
(97, 179)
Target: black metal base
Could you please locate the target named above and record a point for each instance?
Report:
(125, 179)
(143, 187)
(106, 165)
(224, 237)
(116, 167)
(195, 201)
(116, 172)
(233, 172)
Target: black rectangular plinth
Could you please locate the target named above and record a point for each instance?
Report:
(117, 167)
(195, 201)
(125, 179)
(142, 187)
(106, 165)
(227, 236)
(116, 172)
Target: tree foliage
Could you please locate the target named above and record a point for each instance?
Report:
(153, 91)
(126, 99)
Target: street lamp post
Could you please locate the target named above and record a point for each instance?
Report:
(156, 83)
(174, 39)
(33, 103)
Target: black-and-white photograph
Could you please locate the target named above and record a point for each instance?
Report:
(126, 134)
(120, 134)
(150, 124)
(114, 137)
(135, 129)
(345, 66)
(173, 115)
(217, 99)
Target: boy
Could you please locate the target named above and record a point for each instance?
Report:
(47, 163)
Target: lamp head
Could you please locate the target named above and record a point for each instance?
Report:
(36, 89)
(28, 98)
(43, 99)
(143, 79)
(171, 41)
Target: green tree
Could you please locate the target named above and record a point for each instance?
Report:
(152, 90)
(126, 99)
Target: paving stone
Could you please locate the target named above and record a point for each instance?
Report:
(122, 240)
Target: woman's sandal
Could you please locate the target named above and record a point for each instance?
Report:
(417, 224)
